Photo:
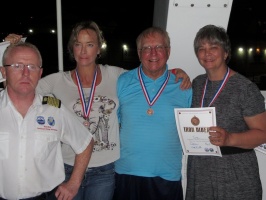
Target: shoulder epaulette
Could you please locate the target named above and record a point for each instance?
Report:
(52, 101)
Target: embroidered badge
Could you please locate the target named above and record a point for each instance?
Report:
(40, 120)
(51, 121)
(52, 101)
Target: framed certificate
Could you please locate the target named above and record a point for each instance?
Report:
(193, 129)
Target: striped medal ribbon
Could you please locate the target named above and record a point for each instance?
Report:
(86, 107)
(150, 101)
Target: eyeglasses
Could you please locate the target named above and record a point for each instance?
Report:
(157, 48)
(20, 67)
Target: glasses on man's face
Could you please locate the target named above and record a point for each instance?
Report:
(157, 48)
(20, 67)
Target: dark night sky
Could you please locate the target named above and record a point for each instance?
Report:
(247, 19)
(122, 17)
(119, 20)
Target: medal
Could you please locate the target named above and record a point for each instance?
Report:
(86, 123)
(150, 111)
(195, 121)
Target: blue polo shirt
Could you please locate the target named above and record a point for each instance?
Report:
(150, 144)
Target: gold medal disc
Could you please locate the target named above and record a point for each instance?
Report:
(195, 121)
(150, 111)
(86, 123)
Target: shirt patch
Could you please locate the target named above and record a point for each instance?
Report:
(51, 121)
(40, 120)
(49, 126)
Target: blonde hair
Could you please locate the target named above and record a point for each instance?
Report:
(84, 25)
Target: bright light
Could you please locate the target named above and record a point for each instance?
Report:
(30, 30)
(104, 45)
(52, 31)
(250, 50)
(241, 51)
(125, 47)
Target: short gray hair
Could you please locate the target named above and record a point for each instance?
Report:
(214, 35)
(21, 44)
(151, 31)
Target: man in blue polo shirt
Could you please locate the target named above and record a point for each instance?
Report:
(151, 153)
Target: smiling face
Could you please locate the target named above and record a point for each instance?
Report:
(153, 53)
(211, 56)
(213, 50)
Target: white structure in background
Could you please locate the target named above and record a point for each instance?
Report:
(182, 19)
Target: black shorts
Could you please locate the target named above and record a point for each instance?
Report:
(130, 187)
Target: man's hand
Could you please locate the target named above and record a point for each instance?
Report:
(66, 191)
(179, 73)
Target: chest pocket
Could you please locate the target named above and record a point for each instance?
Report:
(4, 145)
(45, 145)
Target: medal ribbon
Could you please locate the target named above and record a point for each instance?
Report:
(86, 107)
(151, 102)
(225, 79)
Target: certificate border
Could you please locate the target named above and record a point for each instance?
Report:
(178, 111)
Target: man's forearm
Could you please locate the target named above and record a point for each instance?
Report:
(69, 189)
(81, 163)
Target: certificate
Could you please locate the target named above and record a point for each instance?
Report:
(261, 148)
(193, 129)
(3, 46)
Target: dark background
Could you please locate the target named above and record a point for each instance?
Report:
(120, 21)
(247, 29)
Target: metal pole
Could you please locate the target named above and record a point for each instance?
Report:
(59, 35)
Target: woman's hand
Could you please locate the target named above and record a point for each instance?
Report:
(13, 38)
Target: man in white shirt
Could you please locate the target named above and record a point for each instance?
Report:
(32, 128)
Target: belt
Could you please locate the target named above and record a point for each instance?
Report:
(43, 196)
(233, 150)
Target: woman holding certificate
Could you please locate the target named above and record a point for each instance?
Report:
(241, 117)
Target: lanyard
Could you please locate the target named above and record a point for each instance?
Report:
(225, 79)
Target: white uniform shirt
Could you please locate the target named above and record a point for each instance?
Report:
(30, 148)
